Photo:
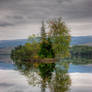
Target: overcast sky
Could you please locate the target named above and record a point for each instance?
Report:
(21, 18)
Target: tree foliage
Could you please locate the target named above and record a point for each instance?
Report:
(43, 33)
(46, 50)
(60, 36)
(56, 43)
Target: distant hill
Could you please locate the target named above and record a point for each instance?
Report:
(12, 43)
(74, 41)
(89, 44)
(6, 46)
(81, 40)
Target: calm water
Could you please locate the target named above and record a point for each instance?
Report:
(44, 77)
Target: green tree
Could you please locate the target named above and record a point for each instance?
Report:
(46, 50)
(60, 36)
(43, 33)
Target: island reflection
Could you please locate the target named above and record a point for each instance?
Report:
(53, 75)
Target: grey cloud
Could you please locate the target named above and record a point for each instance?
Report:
(11, 20)
(15, 17)
(23, 12)
(33, 10)
(5, 24)
(61, 1)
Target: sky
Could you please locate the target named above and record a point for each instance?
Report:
(22, 18)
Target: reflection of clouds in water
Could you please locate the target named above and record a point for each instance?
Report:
(81, 82)
(12, 81)
(5, 85)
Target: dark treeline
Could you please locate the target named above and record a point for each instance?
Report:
(80, 55)
(81, 52)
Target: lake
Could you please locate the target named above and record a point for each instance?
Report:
(43, 77)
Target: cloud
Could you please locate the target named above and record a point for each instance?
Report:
(35, 10)
(24, 12)
(5, 24)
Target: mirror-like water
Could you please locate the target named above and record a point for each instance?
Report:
(45, 77)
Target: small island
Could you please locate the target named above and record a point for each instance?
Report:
(51, 44)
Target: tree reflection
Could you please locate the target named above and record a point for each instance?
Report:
(61, 80)
(53, 76)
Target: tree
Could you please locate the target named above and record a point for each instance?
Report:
(43, 33)
(60, 36)
(46, 50)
